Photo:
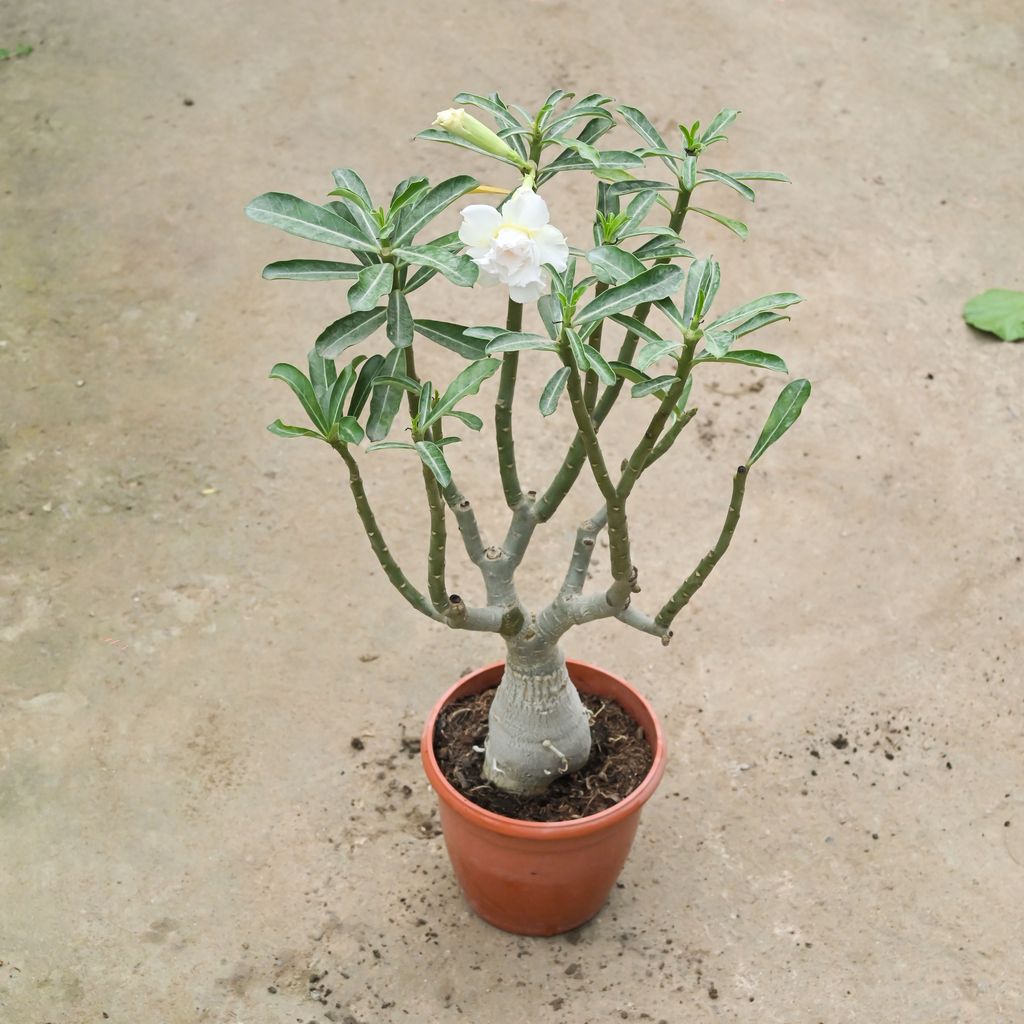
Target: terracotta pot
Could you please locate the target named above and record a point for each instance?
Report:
(532, 877)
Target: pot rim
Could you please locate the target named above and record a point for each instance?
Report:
(540, 830)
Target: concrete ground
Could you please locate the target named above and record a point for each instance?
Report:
(192, 628)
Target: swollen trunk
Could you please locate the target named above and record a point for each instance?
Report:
(538, 726)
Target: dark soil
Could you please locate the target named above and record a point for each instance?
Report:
(619, 759)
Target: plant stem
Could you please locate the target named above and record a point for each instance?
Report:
(639, 460)
(618, 532)
(438, 548)
(503, 414)
(590, 387)
(669, 437)
(547, 504)
(380, 548)
(696, 579)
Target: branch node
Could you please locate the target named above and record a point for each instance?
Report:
(493, 553)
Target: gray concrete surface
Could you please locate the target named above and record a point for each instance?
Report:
(192, 628)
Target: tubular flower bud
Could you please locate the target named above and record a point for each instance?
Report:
(466, 126)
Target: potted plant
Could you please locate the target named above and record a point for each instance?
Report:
(500, 759)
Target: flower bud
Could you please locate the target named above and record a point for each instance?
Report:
(457, 122)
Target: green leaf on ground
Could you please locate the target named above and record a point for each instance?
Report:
(998, 311)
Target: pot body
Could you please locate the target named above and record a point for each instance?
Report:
(532, 877)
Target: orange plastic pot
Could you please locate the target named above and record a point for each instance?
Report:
(532, 877)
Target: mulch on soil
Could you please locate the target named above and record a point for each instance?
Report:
(619, 759)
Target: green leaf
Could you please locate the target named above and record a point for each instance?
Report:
(493, 104)
(637, 327)
(737, 227)
(509, 341)
(591, 155)
(655, 384)
(364, 383)
(719, 123)
(297, 381)
(998, 311)
(718, 342)
(656, 350)
(671, 310)
(556, 128)
(578, 349)
(349, 331)
(484, 333)
(310, 270)
(433, 459)
(663, 248)
(322, 375)
(627, 372)
(636, 211)
(747, 357)
(550, 310)
(345, 177)
(306, 220)
(340, 389)
(383, 446)
(614, 160)
(467, 383)
(727, 179)
(758, 176)
(424, 399)
(621, 188)
(433, 202)
(777, 300)
(697, 280)
(358, 211)
(688, 173)
(783, 415)
(407, 192)
(656, 283)
(460, 270)
(549, 105)
(399, 320)
(756, 323)
(385, 402)
(640, 123)
(419, 279)
(470, 419)
(600, 366)
(452, 337)
(283, 430)
(373, 282)
(613, 265)
(399, 379)
(349, 430)
(553, 390)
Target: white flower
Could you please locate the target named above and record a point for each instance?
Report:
(512, 245)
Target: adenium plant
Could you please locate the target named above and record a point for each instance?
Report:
(637, 277)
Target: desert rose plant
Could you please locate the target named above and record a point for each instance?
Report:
(637, 276)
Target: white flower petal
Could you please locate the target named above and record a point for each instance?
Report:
(479, 225)
(527, 293)
(551, 246)
(511, 246)
(525, 209)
